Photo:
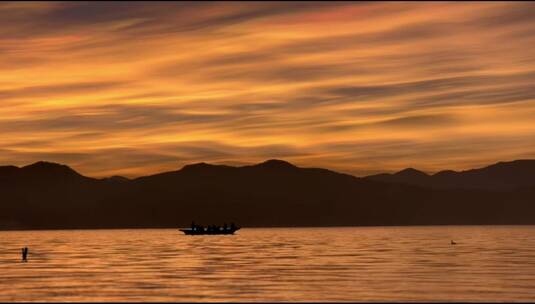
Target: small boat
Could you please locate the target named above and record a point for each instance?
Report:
(205, 231)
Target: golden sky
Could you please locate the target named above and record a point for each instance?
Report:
(137, 88)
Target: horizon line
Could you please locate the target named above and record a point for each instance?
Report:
(259, 163)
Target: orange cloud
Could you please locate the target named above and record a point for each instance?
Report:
(136, 88)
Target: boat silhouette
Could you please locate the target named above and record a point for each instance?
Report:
(210, 230)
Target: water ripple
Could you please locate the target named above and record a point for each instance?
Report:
(304, 264)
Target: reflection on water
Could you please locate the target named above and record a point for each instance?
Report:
(279, 264)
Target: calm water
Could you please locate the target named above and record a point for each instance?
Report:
(304, 264)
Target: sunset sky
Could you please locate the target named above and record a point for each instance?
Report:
(138, 88)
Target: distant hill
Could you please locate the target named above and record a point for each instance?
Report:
(502, 176)
(273, 193)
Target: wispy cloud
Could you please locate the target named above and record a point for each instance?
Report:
(362, 87)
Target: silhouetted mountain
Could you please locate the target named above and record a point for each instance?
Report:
(498, 177)
(406, 176)
(40, 173)
(272, 193)
(50, 172)
(116, 179)
(275, 164)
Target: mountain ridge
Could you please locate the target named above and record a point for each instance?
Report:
(272, 193)
(272, 163)
(499, 176)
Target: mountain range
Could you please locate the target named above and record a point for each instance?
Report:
(47, 195)
(500, 176)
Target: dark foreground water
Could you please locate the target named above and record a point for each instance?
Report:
(299, 264)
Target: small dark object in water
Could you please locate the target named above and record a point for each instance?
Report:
(210, 230)
(25, 254)
(453, 243)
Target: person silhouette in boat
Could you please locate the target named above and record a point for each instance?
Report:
(225, 227)
(232, 226)
(196, 228)
(25, 254)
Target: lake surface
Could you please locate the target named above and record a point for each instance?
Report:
(488, 263)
